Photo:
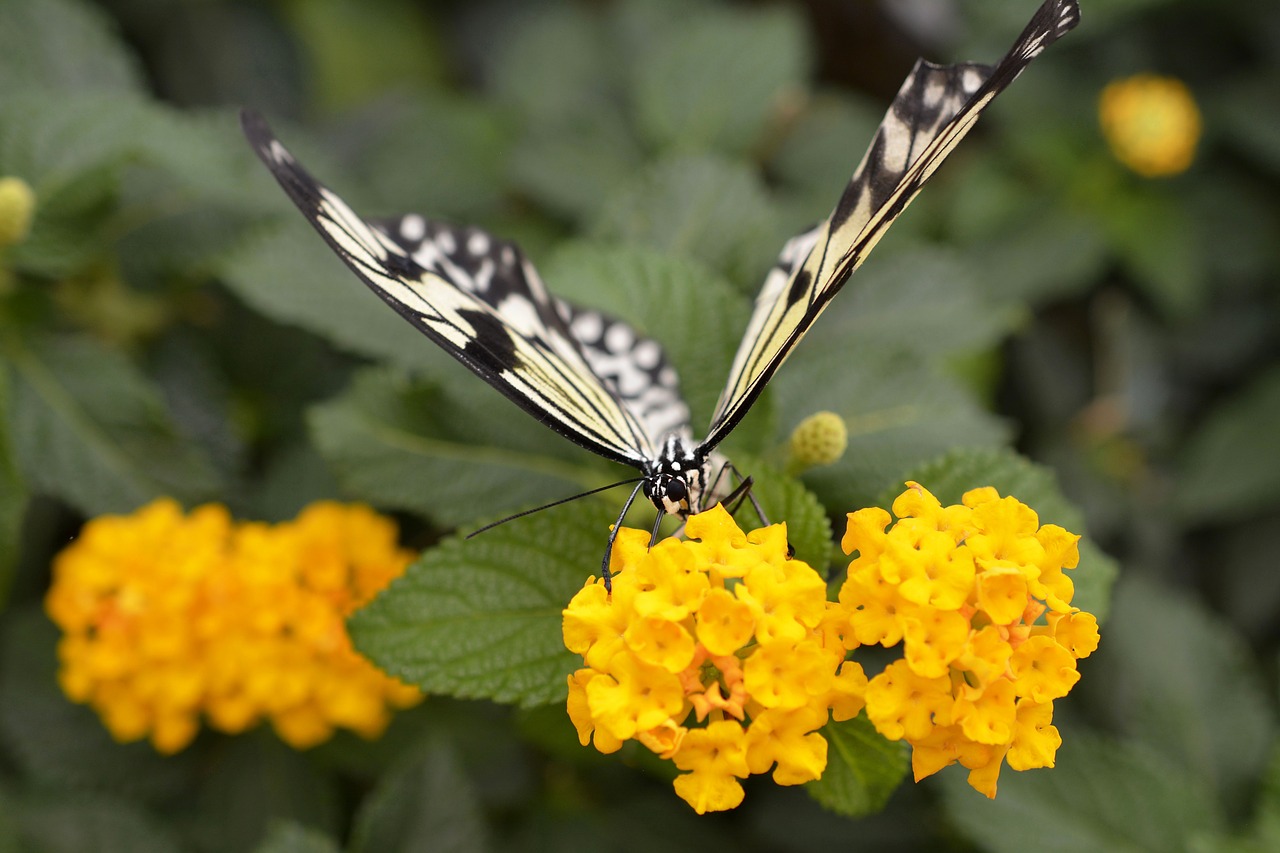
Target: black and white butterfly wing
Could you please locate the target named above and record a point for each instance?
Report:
(479, 299)
(932, 112)
(633, 366)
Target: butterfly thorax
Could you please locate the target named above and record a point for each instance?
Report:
(677, 478)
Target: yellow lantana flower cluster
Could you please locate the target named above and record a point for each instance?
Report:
(720, 654)
(1151, 123)
(168, 618)
(963, 588)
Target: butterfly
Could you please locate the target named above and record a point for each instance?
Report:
(594, 379)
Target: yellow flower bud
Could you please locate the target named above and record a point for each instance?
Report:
(17, 204)
(1151, 122)
(819, 439)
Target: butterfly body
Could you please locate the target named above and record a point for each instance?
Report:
(596, 380)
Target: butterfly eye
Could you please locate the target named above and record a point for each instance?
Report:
(676, 490)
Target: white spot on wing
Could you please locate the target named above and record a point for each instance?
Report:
(588, 326)
(413, 227)
(647, 354)
(619, 338)
(444, 239)
(279, 153)
(478, 243)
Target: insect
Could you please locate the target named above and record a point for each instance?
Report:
(595, 380)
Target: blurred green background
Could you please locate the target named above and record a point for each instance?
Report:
(170, 325)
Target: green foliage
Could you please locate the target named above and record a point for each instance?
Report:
(172, 327)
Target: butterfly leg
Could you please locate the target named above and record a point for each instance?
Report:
(742, 491)
(605, 574)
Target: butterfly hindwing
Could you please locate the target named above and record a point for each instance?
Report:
(486, 307)
(932, 112)
(633, 366)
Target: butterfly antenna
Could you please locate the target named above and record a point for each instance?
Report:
(557, 503)
(613, 534)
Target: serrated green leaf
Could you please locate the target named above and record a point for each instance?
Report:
(13, 492)
(72, 823)
(701, 207)
(863, 768)
(713, 81)
(695, 314)
(899, 414)
(256, 781)
(62, 46)
(427, 805)
(91, 430)
(61, 744)
(1101, 795)
(949, 477)
(1228, 464)
(452, 450)
(286, 836)
(1177, 679)
(482, 618)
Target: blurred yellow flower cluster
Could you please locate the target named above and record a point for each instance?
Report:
(963, 588)
(17, 207)
(1151, 122)
(170, 617)
(722, 655)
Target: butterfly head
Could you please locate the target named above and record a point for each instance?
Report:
(675, 482)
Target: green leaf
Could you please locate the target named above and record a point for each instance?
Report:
(92, 431)
(427, 805)
(701, 207)
(291, 276)
(899, 412)
(712, 82)
(1184, 683)
(58, 743)
(949, 477)
(695, 314)
(482, 618)
(572, 166)
(72, 823)
(1047, 253)
(441, 156)
(255, 782)
(287, 836)
(1227, 467)
(13, 493)
(62, 45)
(552, 62)
(863, 768)
(921, 300)
(1102, 795)
(450, 450)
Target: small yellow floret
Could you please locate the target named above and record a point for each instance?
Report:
(1152, 124)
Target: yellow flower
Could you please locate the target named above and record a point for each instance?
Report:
(1151, 122)
(17, 206)
(709, 652)
(964, 588)
(169, 619)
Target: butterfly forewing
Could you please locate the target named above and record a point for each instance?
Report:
(513, 337)
(934, 109)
